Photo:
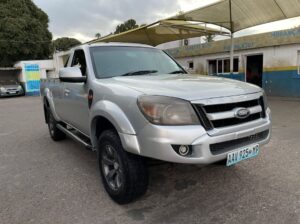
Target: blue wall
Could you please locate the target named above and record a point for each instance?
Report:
(276, 83)
(239, 76)
(282, 83)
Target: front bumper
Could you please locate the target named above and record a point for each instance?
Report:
(156, 141)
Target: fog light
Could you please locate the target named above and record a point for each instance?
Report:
(184, 150)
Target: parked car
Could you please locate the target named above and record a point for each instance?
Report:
(129, 102)
(11, 88)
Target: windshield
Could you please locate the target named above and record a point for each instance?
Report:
(112, 61)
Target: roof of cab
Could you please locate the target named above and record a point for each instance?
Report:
(109, 44)
(118, 44)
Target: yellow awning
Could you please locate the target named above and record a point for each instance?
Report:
(161, 32)
(243, 13)
(233, 15)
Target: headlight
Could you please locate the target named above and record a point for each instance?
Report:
(2, 89)
(163, 110)
(19, 88)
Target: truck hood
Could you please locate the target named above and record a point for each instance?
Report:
(188, 87)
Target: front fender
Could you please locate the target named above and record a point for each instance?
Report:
(118, 118)
(114, 114)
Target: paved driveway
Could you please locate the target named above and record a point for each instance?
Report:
(42, 181)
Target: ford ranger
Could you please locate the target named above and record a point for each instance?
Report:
(130, 102)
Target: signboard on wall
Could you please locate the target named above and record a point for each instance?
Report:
(33, 78)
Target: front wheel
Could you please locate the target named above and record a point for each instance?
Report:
(124, 175)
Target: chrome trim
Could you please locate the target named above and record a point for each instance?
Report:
(231, 113)
(228, 99)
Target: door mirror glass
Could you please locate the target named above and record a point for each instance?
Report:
(71, 74)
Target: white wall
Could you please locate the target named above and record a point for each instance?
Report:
(273, 57)
(59, 60)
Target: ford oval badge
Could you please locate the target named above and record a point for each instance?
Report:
(242, 113)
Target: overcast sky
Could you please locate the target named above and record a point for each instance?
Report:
(82, 19)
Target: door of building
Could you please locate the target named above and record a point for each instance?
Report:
(254, 71)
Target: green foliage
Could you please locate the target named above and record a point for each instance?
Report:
(128, 25)
(65, 43)
(209, 38)
(97, 35)
(24, 32)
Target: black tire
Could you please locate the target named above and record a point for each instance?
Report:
(124, 175)
(55, 133)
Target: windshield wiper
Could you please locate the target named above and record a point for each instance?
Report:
(141, 72)
(177, 72)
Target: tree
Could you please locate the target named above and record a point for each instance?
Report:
(97, 35)
(209, 38)
(24, 32)
(65, 43)
(127, 25)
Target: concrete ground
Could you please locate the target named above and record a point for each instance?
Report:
(42, 181)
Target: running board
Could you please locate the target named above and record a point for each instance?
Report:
(74, 136)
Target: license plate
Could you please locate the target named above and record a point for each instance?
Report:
(12, 92)
(242, 154)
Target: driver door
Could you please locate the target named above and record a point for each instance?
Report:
(75, 102)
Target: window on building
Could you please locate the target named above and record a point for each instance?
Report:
(191, 65)
(222, 66)
(226, 68)
(236, 65)
(212, 67)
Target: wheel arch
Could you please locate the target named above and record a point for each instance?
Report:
(107, 115)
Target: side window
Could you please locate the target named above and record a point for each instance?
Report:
(79, 61)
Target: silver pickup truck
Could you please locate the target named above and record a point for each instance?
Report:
(130, 102)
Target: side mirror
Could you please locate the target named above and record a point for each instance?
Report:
(71, 74)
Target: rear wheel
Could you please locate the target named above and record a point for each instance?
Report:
(55, 133)
(124, 175)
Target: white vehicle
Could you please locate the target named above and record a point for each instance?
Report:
(130, 101)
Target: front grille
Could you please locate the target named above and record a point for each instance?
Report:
(224, 147)
(230, 106)
(204, 110)
(234, 121)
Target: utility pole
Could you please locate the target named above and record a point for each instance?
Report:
(231, 38)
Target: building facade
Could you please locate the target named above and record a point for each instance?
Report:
(270, 60)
